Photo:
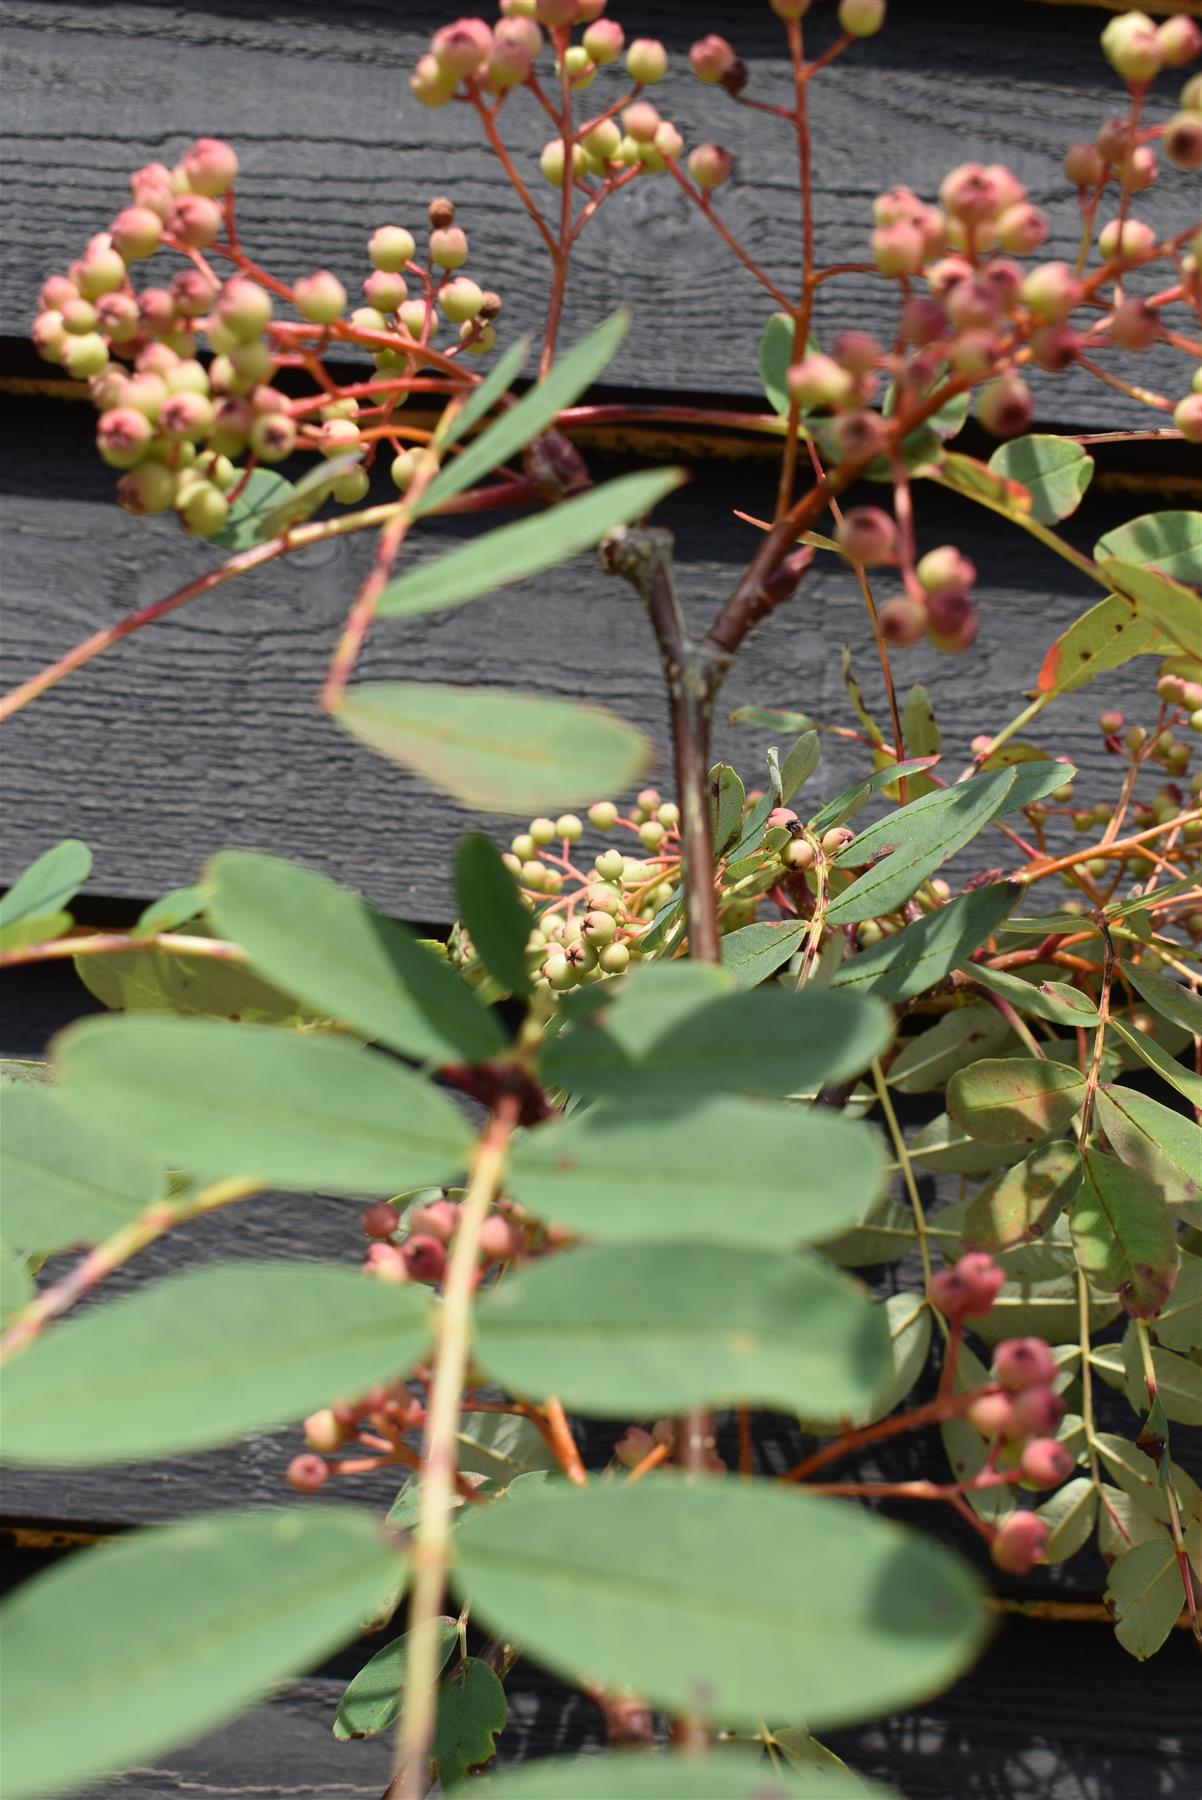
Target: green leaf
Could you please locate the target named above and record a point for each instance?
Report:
(16, 1283)
(846, 805)
(1054, 470)
(327, 946)
(177, 908)
(156, 1639)
(48, 884)
(1021, 1205)
(472, 1709)
(1015, 1100)
(921, 735)
(726, 806)
(1179, 1324)
(264, 494)
(720, 1596)
(961, 1036)
(1104, 638)
(918, 957)
(372, 1701)
(1148, 1050)
(657, 997)
(305, 496)
(913, 842)
(501, 1446)
(485, 394)
(1145, 1595)
(728, 1170)
(771, 718)
(1139, 1477)
(947, 1149)
(1178, 1388)
(525, 547)
(1070, 1515)
(1175, 609)
(1122, 1522)
(203, 1358)
(1168, 541)
(494, 749)
(40, 930)
(725, 1774)
(770, 1040)
(492, 911)
(1040, 1297)
(776, 357)
(1171, 999)
(908, 1318)
(650, 1328)
(1123, 1235)
(800, 762)
(1054, 1000)
(1161, 1146)
(158, 981)
(65, 1182)
(290, 1111)
(529, 416)
(755, 952)
(17, 1071)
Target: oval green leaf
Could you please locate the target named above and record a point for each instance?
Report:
(1171, 999)
(1167, 1067)
(1146, 1597)
(372, 1701)
(1123, 1235)
(720, 1597)
(492, 911)
(913, 960)
(1054, 470)
(755, 952)
(929, 1060)
(1161, 1146)
(1014, 1100)
(48, 884)
(1105, 637)
(262, 496)
(150, 1642)
(725, 1774)
(1023, 1203)
(290, 1111)
(65, 1182)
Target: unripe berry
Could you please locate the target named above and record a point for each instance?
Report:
(509, 64)
(556, 13)
(440, 1219)
(501, 1239)
(1084, 165)
(651, 834)
(320, 297)
(668, 813)
(898, 249)
(1021, 1542)
(83, 356)
(186, 414)
(195, 220)
(1046, 1463)
(641, 122)
(1140, 169)
(211, 167)
(1132, 48)
(1022, 229)
(1110, 723)
(520, 31)
(533, 875)
(868, 536)
(602, 814)
(711, 58)
(667, 144)
(337, 435)
(78, 315)
(1180, 41)
(136, 232)
(992, 1414)
(837, 839)
(1127, 241)
(403, 468)
(123, 437)
(460, 48)
(984, 1276)
(117, 317)
(1187, 417)
(204, 510)
(971, 193)
(425, 1259)
(1055, 347)
(1183, 141)
(601, 144)
(646, 61)
(610, 865)
(448, 247)
(568, 826)
(710, 166)
(1134, 325)
(945, 567)
(603, 41)
(962, 639)
(614, 959)
(307, 1473)
(861, 18)
(429, 83)
(1052, 291)
(244, 308)
(390, 248)
(323, 1431)
(797, 854)
(819, 380)
(460, 299)
(1023, 1363)
(273, 437)
(151, 187)
(147, 489)
(1005, 406)
(790, 9)
(352, 487)
(902, 621)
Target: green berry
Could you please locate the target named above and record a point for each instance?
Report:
(610, 865)
(603, 814)
(390, 248)
(404, 467)
(603, 898)
(522, 846)
(204, 510)
(669, 815)
(85, 356)
(614, 959)
(651, 834)
(599, 929)
(570, 827)
(542, 831)
(352, 487)
(533, 874)
(797, 854)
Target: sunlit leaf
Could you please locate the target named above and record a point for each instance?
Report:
(1179, 1323)
(916, 958)
(1020, 1205)
(648, 1328)
(1168, 541)
(177, 908)
(1015, 1100)
(727, 1170)
(1145, 1595)
(1054, 1000)
(946, 1148)
(372, 1701)
(1054, 470)
(302, 1112)
(1148, 1050)
(485, 394)
(1161, 1146)
(154, 1640)
(263, 494)
(304, 497)
(719, 1596)
(16, 1282)
(47, 885)
(1070, 1515)
(1105, 637)
(1123, 1235)
(494, 749)
(725, 1774)
(726, 806)
(755, 952)
(160, 981)
(1173, 607)
(961, 1036)
(1171, 999)
(66, 1181)
(327, 946)
(205, 1357)
(846, 805)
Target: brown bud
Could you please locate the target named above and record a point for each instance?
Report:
(490, 306)
(441, 212)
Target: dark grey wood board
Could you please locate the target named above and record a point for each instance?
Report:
(203, 729)
(316, 99)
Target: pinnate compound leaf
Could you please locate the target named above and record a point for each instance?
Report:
(1161, 1146)
(339, 956)
(1015, 1100)
(47, 885)
(1149, 1051)
(1022, 1204)
(648, 1328)
(1123, 1235)
(472, 1709)
(769, 1040)
(528, 417)
(755, 952)
(492, 911)
(1145, 1595)
(719, 1596)
(1054, 470)
(728, 1170)
(291, 1111)
(202, 1358)
(65, 1182)
(1168, 541)
(725, 1774)
(1104, 638)
(265, 495)
(493, 749)
(525, 547)
(372, 1701)
(961, 1036)
(1070, 1515)
(918, 957)
(1171, 999)
(161, 1636)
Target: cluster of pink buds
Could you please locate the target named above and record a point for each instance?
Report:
(636, 1444)
(429, 1231)
(384, 1413)
(938, 599)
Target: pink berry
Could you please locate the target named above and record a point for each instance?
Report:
(1046, 1463)
(156, 310)
(818, 380)
(604, 40)
(1187, 417)
(985, 1279)
(193, 293)
(187, 416)
(1134, 325)
(1180, 41)
(425, 1258)
(1022, 1363)
(945, 567)
(448, 247)
(902, 622)
(1055, 347)
(711, 58)
(307, 1473)
(501, 1239)
(320, 298)
(273, 436)
(797, 854)
(1021, 1541)
(1038, 1410)
(1111, 723)
(962, 639)
(195, 220)
(868, 535)
(923, 320)
(1132, 48)
(1005, 406)
(780, 815)
(244, 308)
(971, 193)
(898, 249)
(151, 187)
(438, 1220)
(123, 437)
(211, 167)
(387, 1263)
(380, 1220)
(136, 232)
(993, 1416)
(710, 166)
(461, 47)
(859, 436)
(1022, 229)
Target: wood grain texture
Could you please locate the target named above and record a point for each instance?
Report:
(203, 730)
(332, 144)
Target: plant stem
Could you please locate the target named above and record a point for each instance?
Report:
(431, 1549)
(113, 943)
(903, 1157)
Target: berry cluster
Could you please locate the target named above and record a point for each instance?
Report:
(186, 434)
(412, 1246)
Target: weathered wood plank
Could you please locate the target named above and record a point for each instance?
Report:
(203, 729)
(332, 144)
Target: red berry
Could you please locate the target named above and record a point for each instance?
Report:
(985, 1278)
(1021, 1541)
(379, 1221)
(1023, 1362)
(1038, 1410)
(425, 1258)
(1046, 1463)
(307, 1473)
(195, 220)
